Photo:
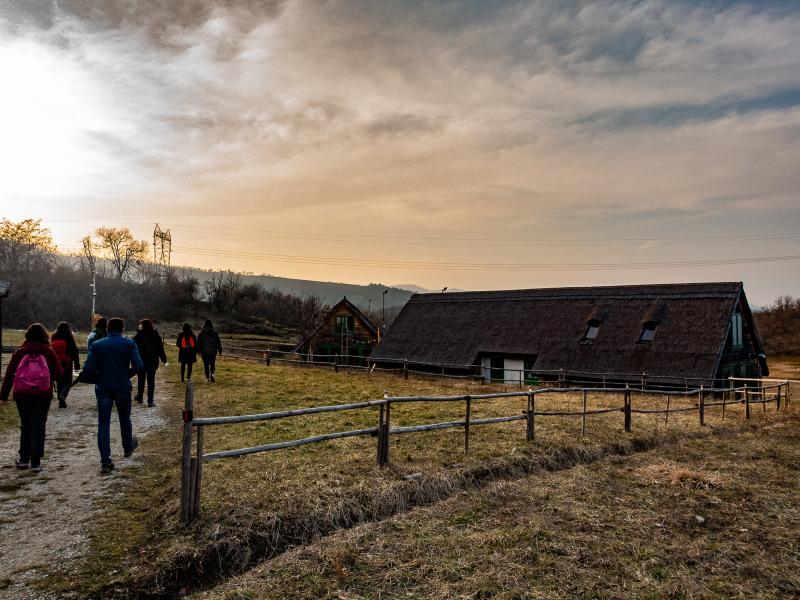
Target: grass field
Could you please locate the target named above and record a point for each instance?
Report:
(715, 517)
(261, 505)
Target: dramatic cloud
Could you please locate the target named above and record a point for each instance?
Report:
(443, 121)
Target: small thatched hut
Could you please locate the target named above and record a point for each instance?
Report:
(669, 332)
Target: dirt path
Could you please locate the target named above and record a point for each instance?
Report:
(44, 517)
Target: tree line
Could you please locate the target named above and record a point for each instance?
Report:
(779, 326)
(47, 286)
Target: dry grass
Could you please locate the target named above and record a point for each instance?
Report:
(262, 505)
(599, 530)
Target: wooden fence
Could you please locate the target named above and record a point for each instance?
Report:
(738, 391)
(520, 378)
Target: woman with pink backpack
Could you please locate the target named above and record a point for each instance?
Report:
(30, 373)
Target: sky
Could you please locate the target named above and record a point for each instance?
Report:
(474, 145)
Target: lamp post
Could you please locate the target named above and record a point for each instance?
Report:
(5, 286)
(93, 285)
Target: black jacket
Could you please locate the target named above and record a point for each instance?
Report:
(208, 342)
(151, 348)
(187, 347)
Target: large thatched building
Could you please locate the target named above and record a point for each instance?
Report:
(670, 332)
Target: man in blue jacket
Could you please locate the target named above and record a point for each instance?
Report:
(110, 360)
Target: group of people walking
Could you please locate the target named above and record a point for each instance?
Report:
(43, 362)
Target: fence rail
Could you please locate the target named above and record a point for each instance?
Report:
(519, 377)
(764, 391)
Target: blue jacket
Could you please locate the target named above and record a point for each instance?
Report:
(111, 358)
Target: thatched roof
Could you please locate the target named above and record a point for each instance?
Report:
(691, 327)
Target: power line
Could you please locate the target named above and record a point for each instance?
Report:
(464, 266)
(363, 238)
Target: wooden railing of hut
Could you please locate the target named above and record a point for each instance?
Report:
(738, 391)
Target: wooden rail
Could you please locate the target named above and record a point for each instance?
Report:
(192, 466)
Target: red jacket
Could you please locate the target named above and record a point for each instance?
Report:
(56, 372)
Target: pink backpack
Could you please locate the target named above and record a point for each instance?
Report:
(32, 375)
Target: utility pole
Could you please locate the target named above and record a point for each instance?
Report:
(93, 285)
(383, 310)
(162, 246)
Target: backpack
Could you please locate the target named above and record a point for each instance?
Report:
(33, 375)
(187, 342)
(60, 348)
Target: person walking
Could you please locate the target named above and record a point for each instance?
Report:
(209, 344)
(100, 331)
(63, 344)
(30, 373)
(187, 351)
(151, 350)
(112, 360)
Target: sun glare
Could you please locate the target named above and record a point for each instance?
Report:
(46, 109)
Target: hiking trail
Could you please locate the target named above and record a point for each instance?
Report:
(45, 517)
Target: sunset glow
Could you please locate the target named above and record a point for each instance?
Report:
(323, 141)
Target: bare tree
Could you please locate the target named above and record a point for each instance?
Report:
(309, 310)
(222, 289)
(123, 249)
(25, 246)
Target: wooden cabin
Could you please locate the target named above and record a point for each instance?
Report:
(671, 333)
(345, 331)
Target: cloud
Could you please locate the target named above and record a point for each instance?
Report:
(522, 118)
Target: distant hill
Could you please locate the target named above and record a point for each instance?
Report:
(329, 291)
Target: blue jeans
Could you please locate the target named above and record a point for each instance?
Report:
(105, 402)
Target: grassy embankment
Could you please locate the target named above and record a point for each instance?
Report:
(712, 517)
(259, 505)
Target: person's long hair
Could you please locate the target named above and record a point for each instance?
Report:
(187, 329)
(36, 333)
(146, 325)
(63, 332)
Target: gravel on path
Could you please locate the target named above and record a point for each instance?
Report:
(45, 517)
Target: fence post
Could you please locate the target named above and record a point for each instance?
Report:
(382, 409)
(405, 368)
(466, 425)
(529, 413)
(627, 409)
(666, 415)
(387, 425)
(198, 473)
(702, 406)
(778, 397)
(561, 380)
(643, 381)
(269, 357)
(788, 393)
(336, 363)
(186, 458)
(746, 402)
(583, 418)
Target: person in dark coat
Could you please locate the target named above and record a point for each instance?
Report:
(209, 345)
(30, 373)
(187, 351)
(151, 350)
(113, 361)
(63, 344)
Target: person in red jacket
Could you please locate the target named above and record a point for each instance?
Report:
(33, 369)
(63, 344)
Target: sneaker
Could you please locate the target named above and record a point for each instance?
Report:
(36, 468)
(139, 399)
(150, 404)
(130, 452)
(21, 464)
(106, 468)
(213, 379)
(208, 380)
(62, 404)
